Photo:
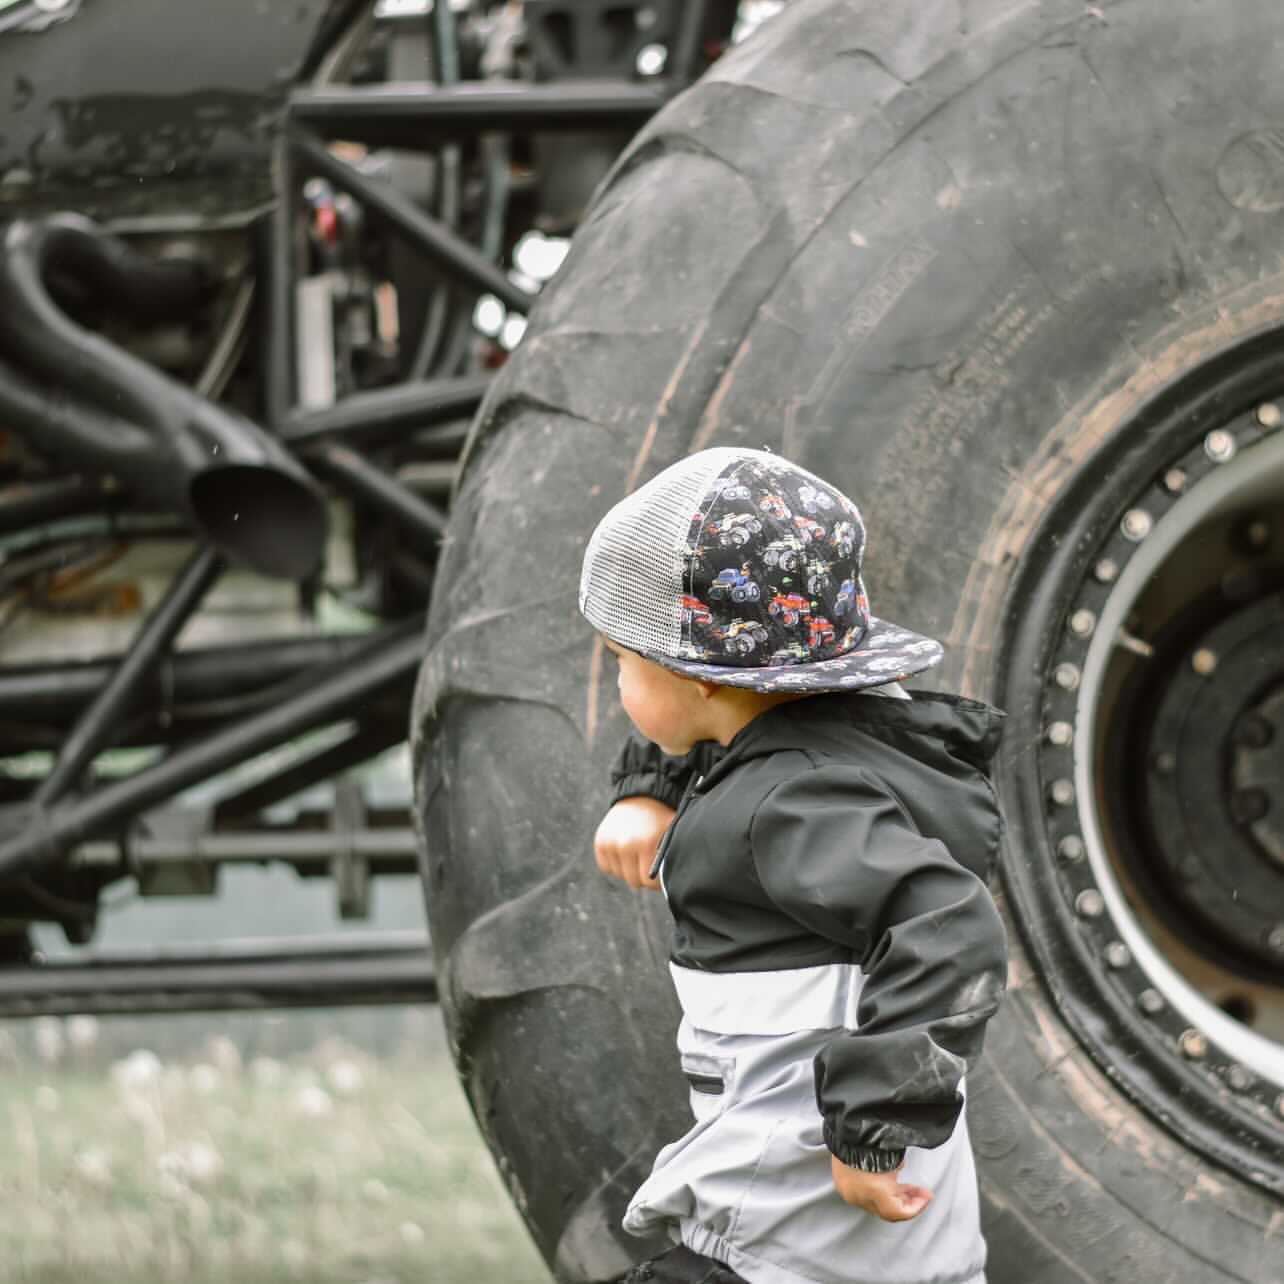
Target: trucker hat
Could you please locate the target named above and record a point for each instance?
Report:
(738, 567)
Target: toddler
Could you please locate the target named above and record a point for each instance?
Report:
(836, 953)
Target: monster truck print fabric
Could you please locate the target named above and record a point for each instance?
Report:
(771, 572)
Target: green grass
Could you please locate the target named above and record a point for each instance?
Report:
(280, 1170)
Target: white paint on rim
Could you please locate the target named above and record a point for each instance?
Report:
(1255, 473)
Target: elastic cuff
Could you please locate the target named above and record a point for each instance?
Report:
(647, 784)
(869, 1159)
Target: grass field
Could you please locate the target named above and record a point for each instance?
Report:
(224, 1163)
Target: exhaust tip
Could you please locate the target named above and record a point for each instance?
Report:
(263, 518)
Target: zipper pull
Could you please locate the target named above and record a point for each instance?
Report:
(664, 844)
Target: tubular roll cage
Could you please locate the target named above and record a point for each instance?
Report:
(319, 680)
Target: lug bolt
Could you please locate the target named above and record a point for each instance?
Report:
(1082, 623)
(1106, 571)
(1219, 446)
(1137, 524)
(1268, 415)
(1257, 534)
(1066, 676)
(1193, 1045)
(1239, 1078)
(1089, 903)
(1240, 583)
(1279, 1105)
(1254, 732)
(1061, 792)
(1070, 849)
(1117, 955)
(1151, 1002)
(1204, 661)
(1275, 939)
(1248, 806)
(1060, 734)
(1174, 481)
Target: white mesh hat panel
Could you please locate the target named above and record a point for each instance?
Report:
(631, 581)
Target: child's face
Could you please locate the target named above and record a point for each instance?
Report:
(667, 709)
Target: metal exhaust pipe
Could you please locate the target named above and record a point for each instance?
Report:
(240, 487)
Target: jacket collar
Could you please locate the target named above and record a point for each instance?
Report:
(969, 729)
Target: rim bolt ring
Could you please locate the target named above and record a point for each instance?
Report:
(1060, 734)
(1117, 955)
(1151, 1002)
(1061, 792)
(1137, 524)
(1089, 903)
(1082, 623)
(1239, 1078)
(1106, 571)
(1175, 481)
(1066, 677)
(1268, 415)
(1070, 848)
(1219, 446)
(1194, 1045)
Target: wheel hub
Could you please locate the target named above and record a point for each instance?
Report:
(1212, 804)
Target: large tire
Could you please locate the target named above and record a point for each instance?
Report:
(939, 253)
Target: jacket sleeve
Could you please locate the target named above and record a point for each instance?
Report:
(643, 768)
(835, 851)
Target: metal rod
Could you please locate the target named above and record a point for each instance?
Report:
(30, 503)
(395, 654)
(370, 417)
(325, 972)
(302, 849)
(434, 238)
(445, 44)
(686, 51)
(58, 692)
(423, 116)
(275, 264)
(363, 744)
(94, 729)
(362, 479)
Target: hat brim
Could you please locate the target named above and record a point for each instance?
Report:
(887, 653)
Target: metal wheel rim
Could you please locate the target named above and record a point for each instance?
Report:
(1191, 1075)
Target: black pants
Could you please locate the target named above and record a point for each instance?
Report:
(682, 1266)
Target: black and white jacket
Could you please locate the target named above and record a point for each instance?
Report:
(837, 954)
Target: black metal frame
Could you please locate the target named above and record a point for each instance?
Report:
(37, 833)
(384, 967)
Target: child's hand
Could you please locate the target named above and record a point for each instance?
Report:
(882, 1194)
(628, 837)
